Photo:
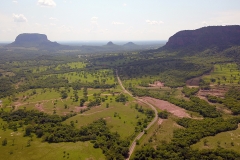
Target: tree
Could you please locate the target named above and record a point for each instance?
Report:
(4, 142)
(82, 101)
(164, 114)
(64, 94)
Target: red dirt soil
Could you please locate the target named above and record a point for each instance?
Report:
(39, 107)
(157, 84)
(160, 121)
(78, 109)
(164, 105)
(219, 92)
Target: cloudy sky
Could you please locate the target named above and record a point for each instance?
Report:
(82, 20)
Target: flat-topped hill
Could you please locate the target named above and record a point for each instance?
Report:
(219, 36)
(32, 40)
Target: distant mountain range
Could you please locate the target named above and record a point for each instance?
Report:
(207, 37)
(41, 42)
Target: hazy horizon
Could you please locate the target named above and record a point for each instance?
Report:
(73, 20)
(104, 42)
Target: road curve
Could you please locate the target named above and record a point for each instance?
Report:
(133, 145)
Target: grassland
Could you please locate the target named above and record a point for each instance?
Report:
(140, 81)
(159, 134)
(72, 65)
(120, 118)
(224, 74)
(50, 101)
(228, 140)
(101, 76)
(18, 148)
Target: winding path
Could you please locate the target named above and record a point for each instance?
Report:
(133, 145)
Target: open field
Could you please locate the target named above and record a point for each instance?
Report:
(72, 65)
(17, 148)
(160, 133)
(227, 140)
(121, 118)
(50, 101)
(224, 74)
(101, 76)
(146, 81)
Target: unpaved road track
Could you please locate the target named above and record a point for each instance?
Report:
(133, 145)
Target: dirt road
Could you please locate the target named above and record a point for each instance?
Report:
(133, 145)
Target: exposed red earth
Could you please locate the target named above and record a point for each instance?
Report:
(164, 105)
(157, 84)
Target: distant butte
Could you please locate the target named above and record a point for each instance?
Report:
(110, 43)
(130, 44)
(212, 36)
(32, 40)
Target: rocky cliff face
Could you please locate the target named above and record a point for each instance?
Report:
(212, 36)
(31, 38)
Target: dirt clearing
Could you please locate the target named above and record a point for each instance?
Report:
(157, 84)
(164, 105)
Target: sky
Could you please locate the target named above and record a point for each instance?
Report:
(96, 20)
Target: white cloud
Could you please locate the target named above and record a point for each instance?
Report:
(14, 1)
(19, 18)
(52, 18)
(47, 3)
(124, 4)
(94, 20)
(52, 24)
(154, 22)
(117, 23)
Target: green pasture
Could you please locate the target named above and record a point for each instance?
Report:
(17, 148)
(228, 73)
(39, 69)
(227, 140)
(159, 134)
(101, 76)
(162, 133)
(121, 118)
(140, 80)
(75, 65)
(50, 101)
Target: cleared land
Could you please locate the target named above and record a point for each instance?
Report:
(228, 140)
(120, 118)
(164, 105)
(223, 74)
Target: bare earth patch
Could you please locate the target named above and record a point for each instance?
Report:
(164, 105)
(160, 120)
(39, 107)
(157, 84)
(219, 92)
(78, 109)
